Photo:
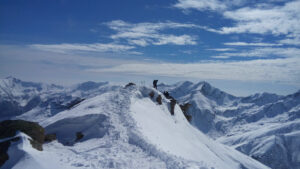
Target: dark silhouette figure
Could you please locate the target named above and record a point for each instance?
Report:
(167, 95)
(155, 83)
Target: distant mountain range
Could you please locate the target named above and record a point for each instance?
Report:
(117, 123)
(264, 126)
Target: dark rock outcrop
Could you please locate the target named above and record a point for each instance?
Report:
(151, 94)
(79, 136)
(74, 103)
(130, 84)
(50, 137)
(9, 128)
(172, 104)
(185, 107)
(168, 96)
(159, 99)
(3, 149)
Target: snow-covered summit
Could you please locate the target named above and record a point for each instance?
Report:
(124, 123)
(127, 128)
(18, 97)
(12, 88)
(188, 89)
(27, 99)
(265, 126)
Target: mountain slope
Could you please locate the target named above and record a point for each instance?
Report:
(27, 99)
(125, 128)
(264, 126)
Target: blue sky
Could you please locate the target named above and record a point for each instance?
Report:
(239, 46)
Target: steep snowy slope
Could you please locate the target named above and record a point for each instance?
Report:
(264, 126)
(18, 97)
(125, 128)
(23, 100)
(205, 101)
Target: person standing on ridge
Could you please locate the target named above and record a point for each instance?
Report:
(155, 83)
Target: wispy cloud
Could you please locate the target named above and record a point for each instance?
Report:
(283, 70)
(146, 33)
(251, 44)
(291, 41)
(58, 67)
(222, 49)
(261, 18)
(262, 52)
(277, 20)
(95, 47)
(223, 56)
(201, 4)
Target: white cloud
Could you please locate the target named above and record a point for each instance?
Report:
(95, 47)
(146, 33)
(221, 56)
(201, 4)
(176, 40)
(266, 17)
(139, 42)
(62, 68)
(277, 20)
(213, 5)
(263, 52)
(222, 49)
(250, 44)
(291, 41)
(283, 70)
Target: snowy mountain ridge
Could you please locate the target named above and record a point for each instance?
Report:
(26, 99)
(264, 126)
(128, 122)
(126, 128)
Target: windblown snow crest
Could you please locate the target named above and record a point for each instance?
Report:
(125, 128)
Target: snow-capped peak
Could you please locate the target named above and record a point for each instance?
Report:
(129, 128)
(133, 126)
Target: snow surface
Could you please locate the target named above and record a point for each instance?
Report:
(259, 125)
(125, 128)
(174, 134)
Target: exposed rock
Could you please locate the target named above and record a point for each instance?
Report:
(168, 96)
(151, 94)
(50, 137)
(37, 145)
(79, 136)
(172, 104)
(159, 99)
(74, 103)
(185, 107)
(9, 128)
(3, 149)
(130, 84)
